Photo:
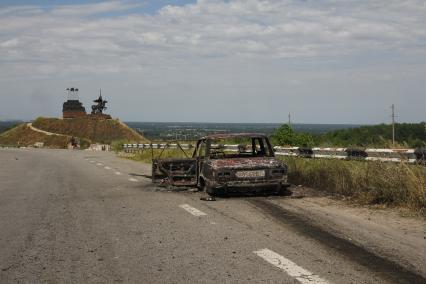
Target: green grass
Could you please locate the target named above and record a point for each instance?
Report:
(391, 184)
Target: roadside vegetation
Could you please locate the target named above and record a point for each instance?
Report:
(364, 182)
(367, 183)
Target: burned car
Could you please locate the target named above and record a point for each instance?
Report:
(222, 163)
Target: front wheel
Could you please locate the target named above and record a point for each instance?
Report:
(283, 190)
(214, 191)
(209, 190)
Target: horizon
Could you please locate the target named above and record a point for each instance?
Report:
(227, 122)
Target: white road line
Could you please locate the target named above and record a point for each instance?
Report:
(302, 275)
(107, 168)
(92, 161)
(133, 179)
(118, 173)
(99, 164)
(192, 210)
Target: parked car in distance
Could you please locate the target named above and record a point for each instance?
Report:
(223, 163)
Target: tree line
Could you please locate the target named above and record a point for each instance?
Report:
(411, 135)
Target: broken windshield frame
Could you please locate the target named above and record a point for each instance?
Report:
(243, 147)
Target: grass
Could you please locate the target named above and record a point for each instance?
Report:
(390, 184)
(86, 129)
(95, 130)
(24, 136)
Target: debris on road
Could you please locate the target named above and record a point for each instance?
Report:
(208, 198)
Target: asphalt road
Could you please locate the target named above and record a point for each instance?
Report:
(86, 217)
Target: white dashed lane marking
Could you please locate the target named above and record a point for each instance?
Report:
(133, 179)
(192, 210)
(107, 168)
(299, 273)
(92, 161)
(118, 173)
(99, 164)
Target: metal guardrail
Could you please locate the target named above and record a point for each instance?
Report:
(412, 156)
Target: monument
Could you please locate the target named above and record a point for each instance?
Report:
(99, 107)
(73, 108)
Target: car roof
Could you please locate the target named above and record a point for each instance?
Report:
(233, 135)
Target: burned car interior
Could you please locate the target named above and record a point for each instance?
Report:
(250, 147)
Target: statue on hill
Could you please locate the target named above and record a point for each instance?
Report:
(99, 107)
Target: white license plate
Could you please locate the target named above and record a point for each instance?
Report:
(250, 174)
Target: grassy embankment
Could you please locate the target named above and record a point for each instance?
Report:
(368, 183)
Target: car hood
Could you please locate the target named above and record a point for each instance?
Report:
(246, 163)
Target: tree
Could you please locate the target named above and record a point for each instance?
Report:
(285, 135)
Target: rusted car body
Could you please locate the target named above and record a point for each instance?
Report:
(219, 168)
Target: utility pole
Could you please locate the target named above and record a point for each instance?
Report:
(393, 125)
(289, 119)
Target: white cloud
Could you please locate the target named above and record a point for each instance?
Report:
(63, 35)
(108, 37)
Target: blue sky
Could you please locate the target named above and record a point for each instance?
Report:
(324, 61)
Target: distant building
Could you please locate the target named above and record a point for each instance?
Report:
(73, 108)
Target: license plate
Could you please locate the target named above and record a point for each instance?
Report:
(250, 174)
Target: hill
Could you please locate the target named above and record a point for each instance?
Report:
(87, 129)
(22, 135)
(6, 125)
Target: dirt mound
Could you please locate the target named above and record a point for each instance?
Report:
(89, 130)
(98, 131)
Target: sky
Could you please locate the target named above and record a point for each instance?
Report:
(323, 61)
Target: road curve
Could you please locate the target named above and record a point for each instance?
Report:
(80, 216)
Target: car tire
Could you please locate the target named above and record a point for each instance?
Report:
(210, 191)
(282, 190)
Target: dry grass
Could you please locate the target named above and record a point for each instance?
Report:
(97, 131)
(366, 182)
(24, 136)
